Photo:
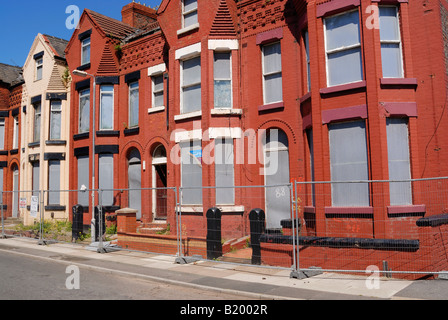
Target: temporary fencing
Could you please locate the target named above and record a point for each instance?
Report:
(397, 227)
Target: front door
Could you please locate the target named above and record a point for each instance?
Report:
(15, 195)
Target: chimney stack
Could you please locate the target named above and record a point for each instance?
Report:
(137, 15)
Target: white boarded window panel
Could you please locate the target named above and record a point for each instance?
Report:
(15, 142)
(278, 197)
(84, 111)
(348, 156)
(191, 85)
(55, 119)
(106, 178)
(54, 182)
(224, 171)
(37, 119)
(399, 164)
(272, 73)
(83, 179)
(391, 53)
(190, 12)
(2, 133)
(223, 81)
(191, 159)
(343, 47)
(107, 108)
(135, 182)
(158, 90)
(133, 104)
(36, 174)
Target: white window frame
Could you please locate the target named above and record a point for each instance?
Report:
(184, 13)
(342, 49)
(224, 79)
(15, 141)
(2, 140)
(39, 67)
(83, 45)
(263, 47)
(83, 94)
(138, 103)
(154, 91)
(36, 135)
(103, 92)
(182, 87)
(306, 40)
(53, 109)
(398, 41)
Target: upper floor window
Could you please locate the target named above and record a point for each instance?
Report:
(37, 119)
(272, 73)
(191, 85)
(391, 52)
(55, 119)
(85, 51)
(306, 40)
(15, 140)
(157, 91)
(190, 13)
(133, 104)
(343, 48)
(223, 80)
(84, 111)
(2, 133)
(107, 107)
(39, 68)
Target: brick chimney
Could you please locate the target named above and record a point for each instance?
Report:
(137, 15)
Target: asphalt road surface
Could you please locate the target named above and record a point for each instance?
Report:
(27, 278)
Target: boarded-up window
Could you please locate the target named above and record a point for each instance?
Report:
(348, 157)
(222, 80)
(106, 178)
(191, 162)
(191, 85)
(399, 165)
(83, 180)
(391, 54)
(54, 182)
(272, 73)
(224, 171)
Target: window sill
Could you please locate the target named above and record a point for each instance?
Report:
(34, 144)
(188, 29)
(192, 209)
(131, 131)
(271, 107)
(54, 207)
(230, 208)
(398, 82)
(195, 114)
(108, 133)
(80, 136)
(4, 153)
(344, 87)
(226, 112)
(156, 109)
(305, 97)
(55, 142)
(15, 151)
(348, 211)
(406, 210)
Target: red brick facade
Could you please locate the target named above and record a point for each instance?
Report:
(419, 96)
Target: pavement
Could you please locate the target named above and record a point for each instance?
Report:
(251, 282)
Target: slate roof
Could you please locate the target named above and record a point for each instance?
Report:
(10, 74)
(111, 27)
(57, 44)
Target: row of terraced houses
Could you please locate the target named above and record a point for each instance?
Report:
(351, 97)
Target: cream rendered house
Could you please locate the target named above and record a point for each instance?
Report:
(45, 129)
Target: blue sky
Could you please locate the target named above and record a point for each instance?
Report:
(22, 20)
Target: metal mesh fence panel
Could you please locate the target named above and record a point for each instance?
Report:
(402, 231)
(233, 232)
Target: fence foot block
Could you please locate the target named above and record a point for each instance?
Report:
(303, 274)
(187, 260)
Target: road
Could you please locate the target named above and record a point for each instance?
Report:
(27, 278)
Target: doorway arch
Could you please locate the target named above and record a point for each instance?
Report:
(159, 183)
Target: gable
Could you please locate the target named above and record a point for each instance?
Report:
(223, 25)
